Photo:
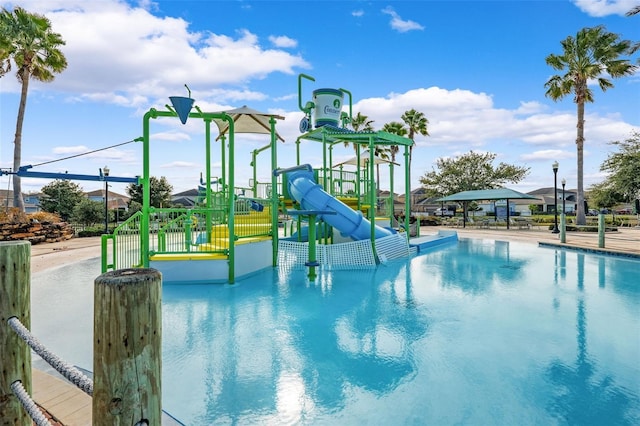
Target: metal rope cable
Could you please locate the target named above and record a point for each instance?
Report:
(70, 372)
(29, 405)
(86, 153)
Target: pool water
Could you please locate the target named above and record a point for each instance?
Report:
(478, 333)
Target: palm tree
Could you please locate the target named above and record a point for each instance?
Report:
(397, 129)
(593, 54)
(416, 123)
(636, 46)
(634, 11)
(28, 40)
(360, 123)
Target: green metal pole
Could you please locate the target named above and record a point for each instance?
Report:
(393, 204)
(146, 193)
(274, 191)
(358, 191)
(232, 202)
(407, 191)
(254, 156)
(312, 247)
(563, 228)
(223, 143)
(601, 228)
(208, 194)
(372, 195)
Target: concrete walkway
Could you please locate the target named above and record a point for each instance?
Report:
(623, 241)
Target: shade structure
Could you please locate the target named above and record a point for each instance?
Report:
(247, 120)
(364, 160)
(488, 194)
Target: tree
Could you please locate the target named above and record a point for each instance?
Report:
(360, 123)
(416, 122)
(160, 192)
(28, 40)
(468, 172)
(88, 212)
(592, 55)
(61, 196)
(397, 129)
(603, 195)
(623, 167)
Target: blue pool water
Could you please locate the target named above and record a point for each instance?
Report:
(477, 333)
(474, 333)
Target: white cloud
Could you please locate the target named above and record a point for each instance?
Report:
(144, 57)
(600, 8)
(357, 13)
(283, 41)
(400, 25)
(547, 155)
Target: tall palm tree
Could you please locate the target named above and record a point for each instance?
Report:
(397, 129)
(592, 55)
(28, 40)
(417, 123)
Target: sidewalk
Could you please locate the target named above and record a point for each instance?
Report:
(52, 255)
(623, 241)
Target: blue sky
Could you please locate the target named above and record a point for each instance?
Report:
(476, 69)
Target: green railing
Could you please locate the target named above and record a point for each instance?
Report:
(181, 231)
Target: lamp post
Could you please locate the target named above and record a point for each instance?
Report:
(105, 172)
(555, 198)
(564, 182)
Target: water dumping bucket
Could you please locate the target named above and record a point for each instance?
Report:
(182, 106)
(328, 105)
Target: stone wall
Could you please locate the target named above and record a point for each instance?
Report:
(36, 232)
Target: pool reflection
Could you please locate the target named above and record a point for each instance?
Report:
(288, 350)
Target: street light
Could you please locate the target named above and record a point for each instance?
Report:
(564, 182)
(105, 172)
(555, 197)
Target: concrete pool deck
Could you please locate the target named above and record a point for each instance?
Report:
(73, 407)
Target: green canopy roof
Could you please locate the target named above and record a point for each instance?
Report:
(488, 194)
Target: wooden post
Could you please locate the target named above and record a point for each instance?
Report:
(15, 355)
(127, 335)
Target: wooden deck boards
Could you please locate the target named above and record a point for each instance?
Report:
(65, 402)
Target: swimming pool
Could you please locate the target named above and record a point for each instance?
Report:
(479, 332)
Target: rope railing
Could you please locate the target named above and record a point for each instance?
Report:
(67, 370)
(29, 404)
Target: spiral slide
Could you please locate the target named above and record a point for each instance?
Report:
(311, 196)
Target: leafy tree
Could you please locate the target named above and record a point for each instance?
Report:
(28, 40)
(397, 129)
(593, 54)
(88, 212)
(623, 167)
(160, 192)
(603, 195)
(61, 196)
(468, 172)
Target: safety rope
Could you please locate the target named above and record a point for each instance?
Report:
(70, 372)
(29, 405)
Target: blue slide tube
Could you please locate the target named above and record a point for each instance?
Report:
(311, 196)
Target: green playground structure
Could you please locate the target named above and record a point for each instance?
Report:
(233, 231)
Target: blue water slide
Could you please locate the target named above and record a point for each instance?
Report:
(311, 196)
